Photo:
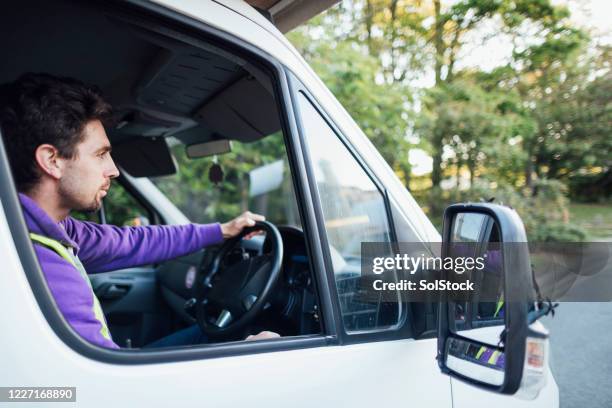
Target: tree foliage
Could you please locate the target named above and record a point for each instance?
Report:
(538, 122)
(381, 108)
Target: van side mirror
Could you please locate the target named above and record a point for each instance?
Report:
(484, 336)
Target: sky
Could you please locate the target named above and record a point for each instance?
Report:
(591, 13)
(594, 15)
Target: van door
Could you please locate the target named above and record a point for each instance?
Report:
(351, 207)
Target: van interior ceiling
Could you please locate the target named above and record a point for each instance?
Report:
(161, 83)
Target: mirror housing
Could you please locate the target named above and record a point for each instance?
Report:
(470, 356)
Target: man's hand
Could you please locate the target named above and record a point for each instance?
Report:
(263, 336)
(234, 227)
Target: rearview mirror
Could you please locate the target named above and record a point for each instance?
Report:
(484, 336)
(206, 149)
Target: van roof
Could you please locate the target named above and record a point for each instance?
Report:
(286, 14)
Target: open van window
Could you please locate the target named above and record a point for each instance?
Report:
(170, 91)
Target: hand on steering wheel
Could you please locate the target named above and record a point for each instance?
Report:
(234, 227)
(230, 298)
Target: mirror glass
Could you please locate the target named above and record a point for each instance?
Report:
(476, 251)
(478, 314)
(206, 149)
(474, 360)
(469, 227)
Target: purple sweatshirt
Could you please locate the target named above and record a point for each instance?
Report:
(103, 248)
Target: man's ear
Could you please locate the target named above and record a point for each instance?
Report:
(49, 161)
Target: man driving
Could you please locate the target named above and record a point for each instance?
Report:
(60, 158)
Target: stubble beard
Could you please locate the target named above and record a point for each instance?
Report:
(73, 197)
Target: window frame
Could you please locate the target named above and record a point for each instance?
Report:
(403, 328)
(19, 233)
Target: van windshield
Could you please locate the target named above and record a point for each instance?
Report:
(256, 177)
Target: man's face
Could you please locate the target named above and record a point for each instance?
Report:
(87, 178)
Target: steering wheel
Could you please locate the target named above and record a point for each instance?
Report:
(229, 298)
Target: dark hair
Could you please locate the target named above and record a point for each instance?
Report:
(41, 108)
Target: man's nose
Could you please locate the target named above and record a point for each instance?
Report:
(113, 171)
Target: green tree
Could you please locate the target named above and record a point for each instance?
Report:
(380, 108)
(543, 115)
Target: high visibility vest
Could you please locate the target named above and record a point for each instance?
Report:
(68, 254)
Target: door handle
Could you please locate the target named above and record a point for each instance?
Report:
(111, 291)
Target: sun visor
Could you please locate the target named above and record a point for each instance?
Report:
(145, 157)
(245, 111)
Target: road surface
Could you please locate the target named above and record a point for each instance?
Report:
(581, 360)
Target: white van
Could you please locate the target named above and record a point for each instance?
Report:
(216, 79)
